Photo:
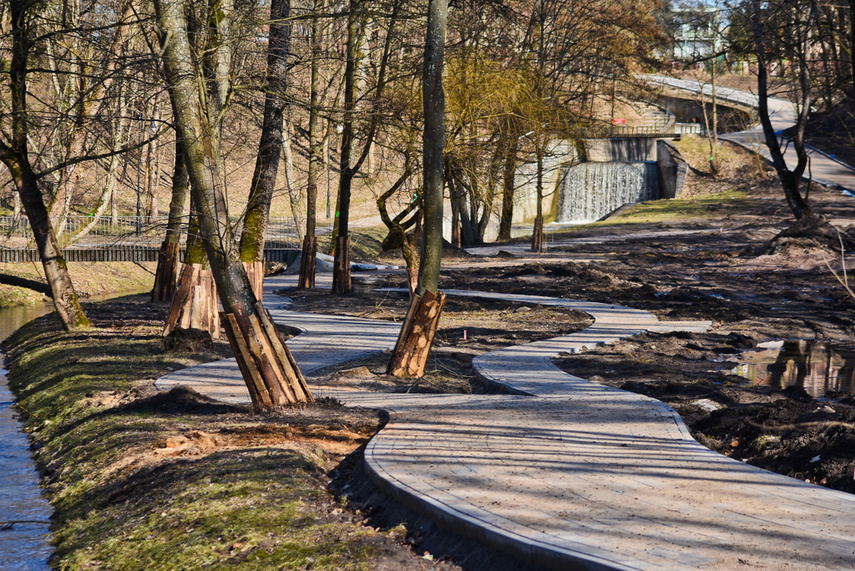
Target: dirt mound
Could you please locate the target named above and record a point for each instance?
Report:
(190, 340)
(182, 400)
(811, 232)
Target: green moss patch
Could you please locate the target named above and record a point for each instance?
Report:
(147, 480)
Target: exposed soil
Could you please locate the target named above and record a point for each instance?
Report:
(728, 262)
(738, 268)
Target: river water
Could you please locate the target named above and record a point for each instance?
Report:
(23, 546)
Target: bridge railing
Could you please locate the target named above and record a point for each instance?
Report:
(109, 230)
(124, 238)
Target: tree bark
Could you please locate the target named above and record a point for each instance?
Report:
(508, 185)
(537, 231)
(310, 242)
(416, 337)
(16, 159)
(257, 214)
(341, 264)
(168, 261)
(271, 377)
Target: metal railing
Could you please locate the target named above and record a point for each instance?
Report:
(123, 238)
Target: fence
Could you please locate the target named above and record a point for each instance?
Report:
(123, 239)
(127, 253)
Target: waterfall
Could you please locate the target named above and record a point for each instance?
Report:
(590, 191)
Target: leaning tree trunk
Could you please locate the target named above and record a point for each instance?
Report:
(269, 371)
(16, 160)
(412, 350)
(790, 179)
(168, 261)
(64, 296)
(269, 147)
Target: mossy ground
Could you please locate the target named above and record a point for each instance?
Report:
(145, 480)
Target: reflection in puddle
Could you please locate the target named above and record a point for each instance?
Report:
(813, 365)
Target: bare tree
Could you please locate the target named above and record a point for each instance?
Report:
(271, 374)
(796, 37)
(14, 153)
(409, 358)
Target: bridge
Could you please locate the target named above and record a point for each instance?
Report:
(126, 239)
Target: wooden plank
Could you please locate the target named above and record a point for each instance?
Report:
(292, 370)
(403, 335)
(284, 372)
(251, 374)
(269, 375)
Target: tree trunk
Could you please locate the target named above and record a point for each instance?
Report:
(272, 378)
(410, 356)
(790, 180)
(308, 261)
(508, 186)
(168, 261)
(15, 158)
(310, 241)
(537, 231)
(257, 214)
(412, 350)
(341, 264)
(194, 302)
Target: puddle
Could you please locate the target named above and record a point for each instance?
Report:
(815, 366)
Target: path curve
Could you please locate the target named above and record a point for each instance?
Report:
(823, 168)
(568, 474)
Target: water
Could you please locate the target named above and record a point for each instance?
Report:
(24, 546)
(590, 191)
(815, 366)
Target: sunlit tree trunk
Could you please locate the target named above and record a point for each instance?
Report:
(270, 144)
(409, 358)
(15, 157)
(270, 373)
(310, 241)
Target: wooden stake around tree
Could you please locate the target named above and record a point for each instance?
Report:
(308, 262)
(409, 359)
(264, 359)
(195, 305)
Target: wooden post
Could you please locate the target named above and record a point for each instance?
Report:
(409, 358)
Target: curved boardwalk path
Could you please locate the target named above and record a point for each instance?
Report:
(568, 474)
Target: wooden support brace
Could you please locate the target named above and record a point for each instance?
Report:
(251, 374)
(293, 374)
(417, 332)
